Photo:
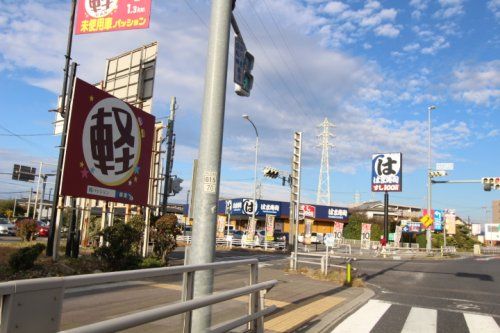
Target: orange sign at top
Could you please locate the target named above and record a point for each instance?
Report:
(112, 15)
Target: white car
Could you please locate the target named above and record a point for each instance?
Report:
(7, 228)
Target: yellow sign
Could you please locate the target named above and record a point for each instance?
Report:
(426, 221)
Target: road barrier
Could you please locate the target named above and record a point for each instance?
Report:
(35, 305)
(324, 261)
(230, 242)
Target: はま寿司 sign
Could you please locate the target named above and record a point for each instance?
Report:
(387, 172)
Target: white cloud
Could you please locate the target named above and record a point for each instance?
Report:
(493, 133)
(439, 43)
(411, 47)
(387, 30)
(420, 6)
(479, 84)
(335, 7)
(450, 8)
(494, 6)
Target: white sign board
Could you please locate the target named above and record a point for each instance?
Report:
(444, 166)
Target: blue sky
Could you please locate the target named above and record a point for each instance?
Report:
(371, 67)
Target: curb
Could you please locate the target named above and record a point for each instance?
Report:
(332, 318)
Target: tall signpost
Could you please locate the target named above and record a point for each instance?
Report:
(387, 176)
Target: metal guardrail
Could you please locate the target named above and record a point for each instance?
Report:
(490, 250)
(324, 262)
(35, 305)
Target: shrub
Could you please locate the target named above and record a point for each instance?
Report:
(25, 257)
(163, 234)
(151, 262)
(26, 229)
(119, 250)
(137, 222)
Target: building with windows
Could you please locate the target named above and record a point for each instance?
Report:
(495, 211)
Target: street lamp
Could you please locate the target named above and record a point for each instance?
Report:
(245, 116)
(429, 180)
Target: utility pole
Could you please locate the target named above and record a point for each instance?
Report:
(295, 194)
(27, 214)
(323, 193)
(170, 155)
(209, 162)
(428, 234)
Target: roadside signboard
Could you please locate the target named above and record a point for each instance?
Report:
(307, 211)
(445, 166)
(492, 232)
(438, 219)
(366, 232)
(387, 172)
(112, 15)
(108, 153)
(338, 229)
(397, 234)
(23, 173)
(269, 226)
(221, 224)
(450, 224)
(410, 226)
(476, 229)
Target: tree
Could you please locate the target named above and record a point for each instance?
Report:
(353, 229)
(163, 234)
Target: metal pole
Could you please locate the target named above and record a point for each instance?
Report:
(168, 159)
(386, 216)
(428, 235)
(44, 178)
(14, 209)
(64, 89)
(37, 190)
(29, 204)
(255, 167)
(208, 173)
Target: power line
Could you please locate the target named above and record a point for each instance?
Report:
(19, 135)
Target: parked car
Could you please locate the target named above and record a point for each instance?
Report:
(281, 236)
(237, 234)
(7, 228)
(42, 229)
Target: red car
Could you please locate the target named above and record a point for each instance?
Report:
(41, 229)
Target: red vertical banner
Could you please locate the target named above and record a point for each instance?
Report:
(112, 15)
(109, 146)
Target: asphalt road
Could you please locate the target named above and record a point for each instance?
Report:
(460, 295)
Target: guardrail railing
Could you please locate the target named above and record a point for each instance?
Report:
(35, 305)
(230, 242)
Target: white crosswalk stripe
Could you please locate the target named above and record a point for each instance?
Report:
(419, 320)
(481, 323)
(364, 319)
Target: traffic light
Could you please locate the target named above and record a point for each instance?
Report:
(174, 185)
(271, 172)
(490, 183)
(247, 82)
(438, 173)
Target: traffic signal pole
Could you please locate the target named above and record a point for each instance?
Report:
(209, 162)
(169, 158)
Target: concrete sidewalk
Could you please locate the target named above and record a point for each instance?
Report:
(308, 305)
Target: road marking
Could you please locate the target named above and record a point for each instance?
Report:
(289, 321)
(244, 299)
(364, 319)
(481, 324)
(167, 286)
(420, 320)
